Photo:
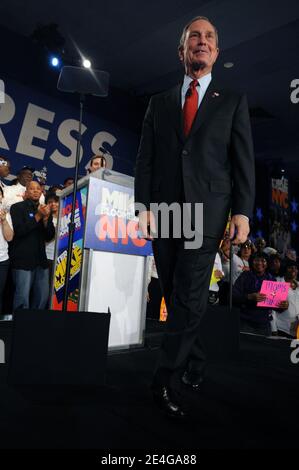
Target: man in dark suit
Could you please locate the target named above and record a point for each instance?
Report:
(196, 147)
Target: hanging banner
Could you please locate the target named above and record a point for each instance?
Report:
(280, 234)
(41, 131)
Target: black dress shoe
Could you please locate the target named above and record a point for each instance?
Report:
(192, 380)
(167, 402)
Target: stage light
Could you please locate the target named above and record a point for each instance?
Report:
(54, 61)
(86, 63)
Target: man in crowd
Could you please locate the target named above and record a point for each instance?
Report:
(97, 162)
(196, 147)
(241, 260)
(275, 266)
(33, 226)
(16, 192)
(260, 245)
(291, 255)
(68, 182)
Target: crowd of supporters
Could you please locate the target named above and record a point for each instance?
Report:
(28, 221)
(252, 264)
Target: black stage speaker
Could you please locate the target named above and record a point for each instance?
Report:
(50, 347)
(220, 327)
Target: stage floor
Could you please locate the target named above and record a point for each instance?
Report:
(250, 402)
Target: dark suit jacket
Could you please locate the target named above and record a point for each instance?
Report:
(27, 249)
(213, 165)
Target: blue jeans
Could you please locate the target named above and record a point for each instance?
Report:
(31, 288)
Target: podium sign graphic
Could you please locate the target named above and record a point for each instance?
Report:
(111, 224)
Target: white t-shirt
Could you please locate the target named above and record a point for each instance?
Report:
(287, 318)
(3, 242)
(15, 193)
(238, 266)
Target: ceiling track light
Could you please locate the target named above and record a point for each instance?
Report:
(86, 63)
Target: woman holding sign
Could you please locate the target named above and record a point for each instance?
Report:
(246, 294)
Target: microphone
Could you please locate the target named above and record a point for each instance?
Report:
(188, 93)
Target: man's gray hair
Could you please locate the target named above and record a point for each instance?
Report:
(183, 36)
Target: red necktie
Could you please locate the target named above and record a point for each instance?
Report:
(190, 106)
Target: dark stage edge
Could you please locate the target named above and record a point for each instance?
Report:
(249, 402)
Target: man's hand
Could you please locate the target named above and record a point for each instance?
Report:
(256, 297)
(147, 224)
(47, 212)
(284, 304)
(44, 210)
(40, 210)
(241, 225)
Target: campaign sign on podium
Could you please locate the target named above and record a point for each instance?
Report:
(111, 224)
(117, 262)
(109, 259)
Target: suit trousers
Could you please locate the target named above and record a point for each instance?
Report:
(184, 275)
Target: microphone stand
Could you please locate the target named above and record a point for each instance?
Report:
(72, 225)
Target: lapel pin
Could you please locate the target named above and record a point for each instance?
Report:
(215, 94)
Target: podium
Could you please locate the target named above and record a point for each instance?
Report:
(109, 260)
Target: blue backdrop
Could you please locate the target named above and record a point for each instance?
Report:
(39, 131)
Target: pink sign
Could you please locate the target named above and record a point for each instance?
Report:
(276, 292)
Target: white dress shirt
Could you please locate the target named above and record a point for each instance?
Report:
(202, 87)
